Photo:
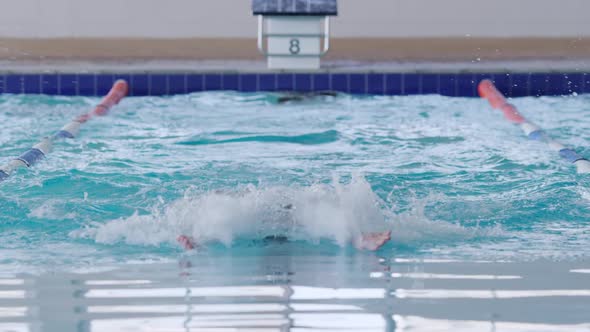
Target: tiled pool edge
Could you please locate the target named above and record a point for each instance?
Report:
(370, 83)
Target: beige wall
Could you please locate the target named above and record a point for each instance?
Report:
(233, 19)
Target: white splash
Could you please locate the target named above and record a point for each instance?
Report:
(336, 211)
(50, 209)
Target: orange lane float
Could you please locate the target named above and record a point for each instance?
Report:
(488, 90)
(70, 130)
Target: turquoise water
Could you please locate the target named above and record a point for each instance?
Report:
(449, 176)
(490, 231)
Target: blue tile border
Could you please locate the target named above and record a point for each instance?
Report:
(231, 82)
(303, 83)
(158, 85)
(503, 82)
(376, 84)
(250, 82)
(86, 85)
(575, 83)
(466, 85)
(50, 85)
(68, 85)
(519, 85)
(103, 83)
(213, 82)
(14, 84)
(556, 85)
(447, 84)
(321, 82)
(340, 82)
(2, 82)
(31, 83)
(263, 82)
(394, 84)
(284, 82)
(430, 84)
(412, 84)
(140, 84)
(372, 83)
(537, 84)
(358, 84)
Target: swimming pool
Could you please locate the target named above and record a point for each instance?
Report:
(474, 206)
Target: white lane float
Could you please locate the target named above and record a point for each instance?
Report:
(488, 90)
(70, 130)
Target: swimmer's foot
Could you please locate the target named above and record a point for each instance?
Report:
(372, 241)
(186, 242)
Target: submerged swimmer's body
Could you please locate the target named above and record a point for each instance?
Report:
(365, 241)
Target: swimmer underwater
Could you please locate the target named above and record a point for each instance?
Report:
(368, 240)
(365, 241)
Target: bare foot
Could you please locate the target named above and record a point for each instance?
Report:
(372, 241)
(186, 242)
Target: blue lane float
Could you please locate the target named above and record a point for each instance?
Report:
(488, 90)
(70, 130)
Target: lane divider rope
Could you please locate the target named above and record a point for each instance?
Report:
(488, 90)
(70, 130)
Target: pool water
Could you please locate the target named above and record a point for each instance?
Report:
(473, 206)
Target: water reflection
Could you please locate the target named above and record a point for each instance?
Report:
(178, 323)
(454, 276)
(12, 294)
(116, 282)
(415, 323)
(278, 291)
(11, 312)
(487, 294)
(194, 308)
(225, 308)
(585, 271)
(348, 321)
(14, 327)
(11, 282)
(247, 291)
(318, 293)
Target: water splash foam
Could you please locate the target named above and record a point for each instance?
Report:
(335, 211)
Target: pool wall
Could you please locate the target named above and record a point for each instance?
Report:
(234, 19)
(379, 47)
(372, 30)
(373, 83)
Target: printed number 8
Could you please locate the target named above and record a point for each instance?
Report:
(294, 48)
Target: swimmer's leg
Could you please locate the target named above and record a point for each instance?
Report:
(186, 242)
(372, 241)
